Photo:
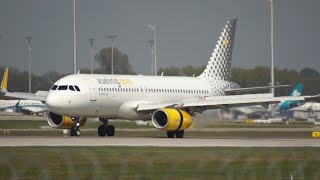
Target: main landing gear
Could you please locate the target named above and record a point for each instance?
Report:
(105, 129)
(75, 130)
(178, 134)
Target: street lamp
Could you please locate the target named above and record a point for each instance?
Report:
(270, 2)
(91, 40)
(153, 28)
(74, 39)
(112, 40)
(152, 55)
(29, 38)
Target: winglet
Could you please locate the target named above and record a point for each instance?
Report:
(4, 83)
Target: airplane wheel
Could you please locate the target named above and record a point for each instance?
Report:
(170, 134)
(179, 134)
(77, 132)
(102, 130)
(110, 130)
(72, 132)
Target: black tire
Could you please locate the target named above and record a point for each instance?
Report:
(111, 130)
(102, 130)
(171, 134)
(179, 134)
(72, 132)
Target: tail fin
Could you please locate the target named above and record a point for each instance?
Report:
(297, 91)
(4, 83)
(218, 67)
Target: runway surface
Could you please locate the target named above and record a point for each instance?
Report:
(157, 142)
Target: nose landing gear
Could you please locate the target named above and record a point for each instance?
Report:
(75, 130)
(105, 129)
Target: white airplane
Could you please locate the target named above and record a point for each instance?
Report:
(169, 102)
(32, 106)
(309, 106)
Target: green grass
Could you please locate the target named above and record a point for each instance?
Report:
(22, 124)
(295, 124)
(158, 163)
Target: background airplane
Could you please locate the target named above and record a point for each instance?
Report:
(25, 106)
(29, 106)
(297, 91)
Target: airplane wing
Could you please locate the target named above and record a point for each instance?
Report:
(40, 95)
(237, 90)
(221, 102)
(27, 96)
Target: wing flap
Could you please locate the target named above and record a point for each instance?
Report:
(237, 90)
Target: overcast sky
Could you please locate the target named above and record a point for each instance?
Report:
(186, 32)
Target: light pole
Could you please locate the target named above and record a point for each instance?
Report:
(74, 39)
(152, 55)
(91, 40)
(270, 2)
(112, 40)
(153, 29)
(29, 38)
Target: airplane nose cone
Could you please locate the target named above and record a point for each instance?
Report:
(50, 101)
(53, 103)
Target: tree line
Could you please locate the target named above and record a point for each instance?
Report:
(258, 76)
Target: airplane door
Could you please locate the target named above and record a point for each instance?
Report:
(93, 95)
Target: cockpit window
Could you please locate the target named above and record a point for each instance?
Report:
(54, 87)
(77, 88)
(71, 88)
(63, 87)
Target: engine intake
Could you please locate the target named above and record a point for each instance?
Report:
(171, 119)
(63, 122)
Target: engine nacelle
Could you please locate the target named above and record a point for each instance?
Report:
(63, 122)
(171, 119)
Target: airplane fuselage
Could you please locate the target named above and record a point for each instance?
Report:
(117, 96)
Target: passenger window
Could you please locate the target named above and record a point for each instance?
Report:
(63, 87)
(77, 88)
(71, 88)
(54, 87)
